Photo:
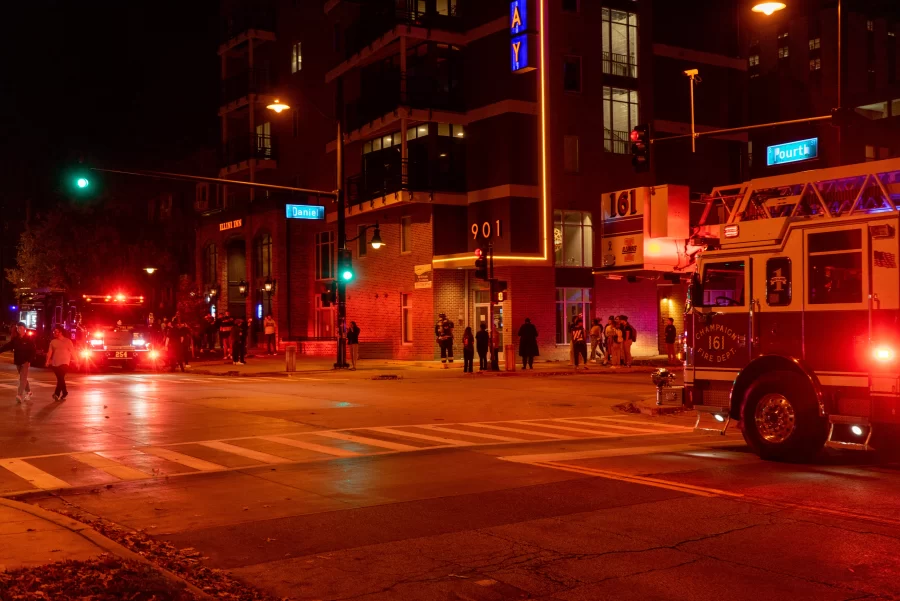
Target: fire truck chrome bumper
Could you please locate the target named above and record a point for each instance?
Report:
(846, 432)
(721, 417)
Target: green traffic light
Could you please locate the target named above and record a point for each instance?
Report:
(347, 275)
(82, 182)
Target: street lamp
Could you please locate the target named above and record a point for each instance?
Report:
(767, 8)
(269, 285)
(376, 238)
(242, 288)
(278, 106)
(150, 270)
(213, 290)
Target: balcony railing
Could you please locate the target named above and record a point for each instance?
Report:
(619, 64)
(251, 81)
(253, 14)
(615, 141)
(249, 146)
(422, 92)
(381, 17)
(404, 175)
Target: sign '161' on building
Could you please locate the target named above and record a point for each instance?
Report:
(524, 42)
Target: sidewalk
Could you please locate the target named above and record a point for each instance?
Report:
(264, 365)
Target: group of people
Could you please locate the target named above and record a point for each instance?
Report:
(610, 344)
(60, 353)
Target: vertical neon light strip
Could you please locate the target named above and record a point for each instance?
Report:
(543, 34)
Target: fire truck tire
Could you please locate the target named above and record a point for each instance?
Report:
(780, 418)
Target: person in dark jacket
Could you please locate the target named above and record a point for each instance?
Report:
(353, 344)
(238, 340)
(528, 346)
(468, 351)
(22, 347)
(482, 341)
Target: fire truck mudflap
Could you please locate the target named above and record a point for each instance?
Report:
(794, 312)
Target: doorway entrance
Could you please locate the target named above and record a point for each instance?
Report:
(482, 306)
(237, 272)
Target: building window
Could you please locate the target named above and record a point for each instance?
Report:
(446, 7)
(296, 58)
(815, 64)
(753, 61)
(783, 45)
(882, 153)
(620, 116)
(573, 239)
(571, 303)
(406, 234)
(723, 284)
(451, 130)
(572, 73)
(420, 131)
(325, 255)
(835, 277)
(210, 260)
(570, 6)
(570, 154)
(263, 256)
(870, 25)
(815, 43)
(406, 319)
(619, 40)
(362, 245)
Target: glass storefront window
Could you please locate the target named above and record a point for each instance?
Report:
(570, 304)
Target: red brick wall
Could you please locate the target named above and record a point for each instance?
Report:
(642, 302)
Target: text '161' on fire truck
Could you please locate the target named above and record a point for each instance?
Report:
(793, 325)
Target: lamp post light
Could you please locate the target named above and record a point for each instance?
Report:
(242, 288)
(767, 8)
(150, 270)
(269, 286)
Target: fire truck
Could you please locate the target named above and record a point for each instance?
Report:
(113, 330)
(793, 322)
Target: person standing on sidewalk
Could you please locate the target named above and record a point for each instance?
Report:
(629, 337)
(528, 346)
(613, 342)
(482, 340)
(495, 348)
(671, 333)
(596, 335)
(226, 325)
(579, 342)
(353, 344)
(59, 356)
(23, 352)
(468, 342)
(443, 330)
(269, 328)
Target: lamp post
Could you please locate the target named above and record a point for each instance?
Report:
(341, 287)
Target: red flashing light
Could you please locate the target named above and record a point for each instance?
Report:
(29, 333)
(635, 135)
(478, 253)
(883, 354)
(120, 297)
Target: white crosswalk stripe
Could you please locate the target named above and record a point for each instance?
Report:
(331, 444)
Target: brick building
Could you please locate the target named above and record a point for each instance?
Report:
(467, 122)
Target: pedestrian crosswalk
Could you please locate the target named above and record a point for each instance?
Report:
(21, 475)
(82, 380)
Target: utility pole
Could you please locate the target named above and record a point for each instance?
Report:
(341, 286)
(693, 74)
(491, 304)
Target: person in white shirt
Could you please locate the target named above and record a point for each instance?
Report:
(59, 356)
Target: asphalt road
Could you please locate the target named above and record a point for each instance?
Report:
(443, 486)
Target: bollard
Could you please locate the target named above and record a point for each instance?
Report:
(290, 357)
(510, 354)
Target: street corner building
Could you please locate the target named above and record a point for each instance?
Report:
(495, 125)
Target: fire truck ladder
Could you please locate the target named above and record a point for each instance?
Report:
(872, 187)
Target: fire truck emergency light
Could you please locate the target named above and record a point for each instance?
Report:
(883, 354)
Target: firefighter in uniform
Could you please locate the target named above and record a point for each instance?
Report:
(443, 331)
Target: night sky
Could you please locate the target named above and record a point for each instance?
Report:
(127, 84)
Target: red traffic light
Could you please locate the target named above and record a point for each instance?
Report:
(635, 135)
(478, 253)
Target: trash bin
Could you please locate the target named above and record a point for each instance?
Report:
(290, 357)
(510, 354)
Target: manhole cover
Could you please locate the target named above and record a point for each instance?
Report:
(387, 377)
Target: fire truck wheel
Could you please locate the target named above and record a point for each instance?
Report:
(780, 418)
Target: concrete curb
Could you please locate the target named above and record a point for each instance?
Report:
(97, 539)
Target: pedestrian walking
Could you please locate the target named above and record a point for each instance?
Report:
(353, 343)
(629, 337)
(187, 343)
(210, 329)
(238, 340)
(613, 342)
(23, 352)
(468, 351)
(671, 333)
(596, 337)
(443, 331)
(528, 346)
(175, 347)
(579, 342)
(482, 340)
(59, 356)
(226, 325)
(269, 329)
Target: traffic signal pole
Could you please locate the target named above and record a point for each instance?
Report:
(341, 286)
(491, 304)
